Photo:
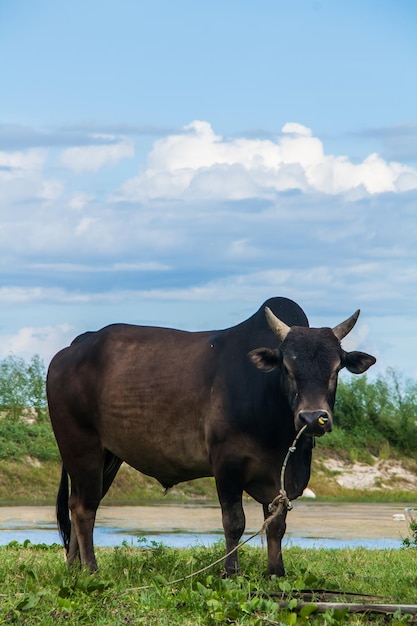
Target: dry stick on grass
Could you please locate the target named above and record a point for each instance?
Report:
(322, 607)
(326, 595)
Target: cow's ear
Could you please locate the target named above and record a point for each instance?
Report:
(265, 359)
(358, 362)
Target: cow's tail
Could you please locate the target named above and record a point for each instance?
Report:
(62, 510)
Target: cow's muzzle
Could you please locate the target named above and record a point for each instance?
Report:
(317, 422)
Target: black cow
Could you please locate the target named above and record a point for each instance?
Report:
(177, 405)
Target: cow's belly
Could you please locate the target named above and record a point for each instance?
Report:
(171, 453)
(156, 424)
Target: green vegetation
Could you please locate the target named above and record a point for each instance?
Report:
(376, 417)
(373, 419)
(25, 430)
(411, 541)
(22, 387)
(133, 586)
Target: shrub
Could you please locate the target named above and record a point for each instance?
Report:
(379, 413)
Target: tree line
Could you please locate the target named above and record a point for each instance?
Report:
(373, 416)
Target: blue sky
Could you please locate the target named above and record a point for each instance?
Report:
(179, 163)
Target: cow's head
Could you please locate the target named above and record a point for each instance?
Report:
(309, 360)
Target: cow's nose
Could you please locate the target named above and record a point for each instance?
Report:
(317, 422)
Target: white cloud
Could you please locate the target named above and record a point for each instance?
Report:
(22, 178)
(83, 159)
(20, 295)
(45, 341)
(84, 225)
(334, 242)
(146, 266)
(243, 249)
(17, 164)
(37, 295)
(199, 164)
(368, 284)
(79, 200)
(51, 189)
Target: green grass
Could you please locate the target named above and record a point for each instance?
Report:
(19, 440)
(37, 588)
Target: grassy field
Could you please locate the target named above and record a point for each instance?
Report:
(133, 586)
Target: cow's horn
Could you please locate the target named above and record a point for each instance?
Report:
(280, 329)
(341, 330)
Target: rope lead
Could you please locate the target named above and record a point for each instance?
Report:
(281, 500)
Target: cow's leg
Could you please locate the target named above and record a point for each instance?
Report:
(233, 517)
(111, 467)
(85, 468)
(83, 503)
(73, 550)
(83, 518)
(274, 534)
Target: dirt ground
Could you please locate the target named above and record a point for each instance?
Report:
(382, 474)
(307, 519)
